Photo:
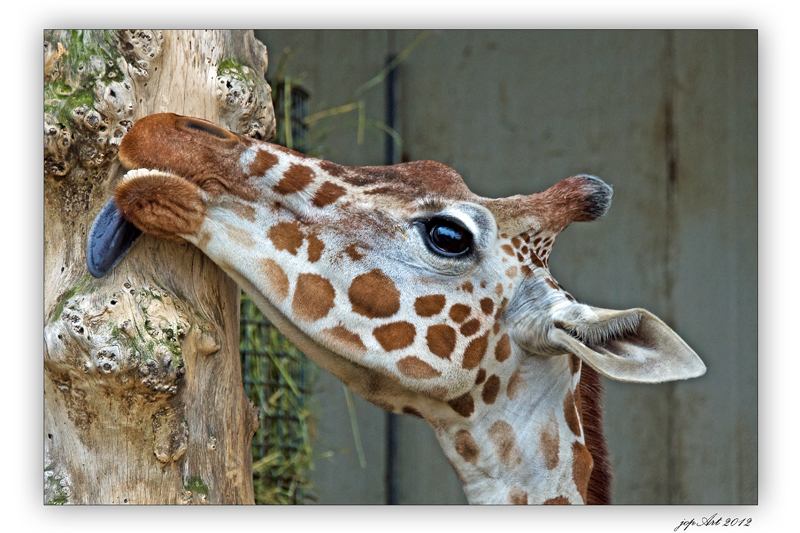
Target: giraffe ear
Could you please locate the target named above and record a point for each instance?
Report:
(632, 345)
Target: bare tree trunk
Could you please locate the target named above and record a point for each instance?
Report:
(143, 394)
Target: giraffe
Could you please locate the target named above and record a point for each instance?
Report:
(421, 296)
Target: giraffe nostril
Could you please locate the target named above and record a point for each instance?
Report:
(195, 124)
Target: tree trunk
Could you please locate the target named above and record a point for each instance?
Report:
(143, 397)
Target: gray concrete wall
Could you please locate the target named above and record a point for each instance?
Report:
(669, 118)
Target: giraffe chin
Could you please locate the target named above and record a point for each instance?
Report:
(161, 204)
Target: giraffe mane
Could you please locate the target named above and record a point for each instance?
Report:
(591, 395)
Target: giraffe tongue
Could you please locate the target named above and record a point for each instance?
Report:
(110, 238)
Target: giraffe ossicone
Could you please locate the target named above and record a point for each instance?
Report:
(419, 295)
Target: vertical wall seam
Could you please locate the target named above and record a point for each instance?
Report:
(670, 255)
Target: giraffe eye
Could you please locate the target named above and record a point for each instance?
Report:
(447, 237)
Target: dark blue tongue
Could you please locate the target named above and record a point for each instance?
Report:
(110, 239)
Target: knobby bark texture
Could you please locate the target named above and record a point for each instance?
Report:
(143, 397)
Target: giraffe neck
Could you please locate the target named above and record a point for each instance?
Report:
(531, 448)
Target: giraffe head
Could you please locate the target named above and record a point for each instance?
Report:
(418, 294)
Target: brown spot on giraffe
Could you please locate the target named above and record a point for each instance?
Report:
(315, 248)
(513, 384)
(286, 236)
(551, 283)
(441, 340)
(548, 444)
(294, 180)
(460, 312)
(313, 297)
(277, 279)
(470, 328)
(503, 348)
(475, 351)
(571, 415)
(558, 500)
(353, 253)
(240, 209)
(416, 368)
(498, 290)
(466, 446)
(501, 308)
(240, 236)
(380, 190)
(438, 392)
(516, 241)
(517, 496)
(508, 249)
(581, 467)
(333, 169)
(395, 335)
(490, 390)
(536, 261)
(504, 439)
(480, 377)
(262, 162)
(205, 238)
(511, 272)
(341, 336)
(327, 194)
(411, 411)
(464, 405)
(374, 295)
(427, 306)
(467, 286)
(574, 363)
(487, 306)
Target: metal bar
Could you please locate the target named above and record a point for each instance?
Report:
(391, 159)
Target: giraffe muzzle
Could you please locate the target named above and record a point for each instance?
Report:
(174, 163)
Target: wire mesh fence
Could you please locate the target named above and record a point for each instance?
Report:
(276, 375)
(276, 378)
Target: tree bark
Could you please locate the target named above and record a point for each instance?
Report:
(143, 396)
